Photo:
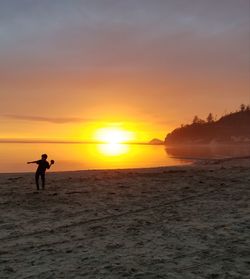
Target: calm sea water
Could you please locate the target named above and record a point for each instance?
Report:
(107, 156)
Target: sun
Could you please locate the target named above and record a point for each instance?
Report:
(113, 135)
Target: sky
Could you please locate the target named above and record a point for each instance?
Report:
(68, 68)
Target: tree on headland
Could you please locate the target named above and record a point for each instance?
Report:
(198, 120)
(210, 118)
(242, 107)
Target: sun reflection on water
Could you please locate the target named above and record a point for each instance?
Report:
(113, 149)
(85, 156)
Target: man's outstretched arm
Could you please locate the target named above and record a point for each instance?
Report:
(33, 162)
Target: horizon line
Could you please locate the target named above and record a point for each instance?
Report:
(36, 141)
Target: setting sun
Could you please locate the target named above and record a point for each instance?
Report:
(113, 135)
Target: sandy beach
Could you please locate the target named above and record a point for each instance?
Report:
(174, 222)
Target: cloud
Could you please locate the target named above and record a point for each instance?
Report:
(57, 120)
(148, 118)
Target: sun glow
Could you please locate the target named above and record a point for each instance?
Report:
(113, 135)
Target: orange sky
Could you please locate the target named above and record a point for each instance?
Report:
(70, 67)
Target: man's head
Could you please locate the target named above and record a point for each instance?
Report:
(44, 156)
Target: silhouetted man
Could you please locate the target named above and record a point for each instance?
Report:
(43, 165)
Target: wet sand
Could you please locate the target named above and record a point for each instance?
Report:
(173, 222)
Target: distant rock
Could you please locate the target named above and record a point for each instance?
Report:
(156, 142)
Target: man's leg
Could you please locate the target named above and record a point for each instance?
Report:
(43, 180)
(37, 180)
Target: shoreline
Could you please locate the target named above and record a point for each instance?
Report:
(100, 170)
(194, 162)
